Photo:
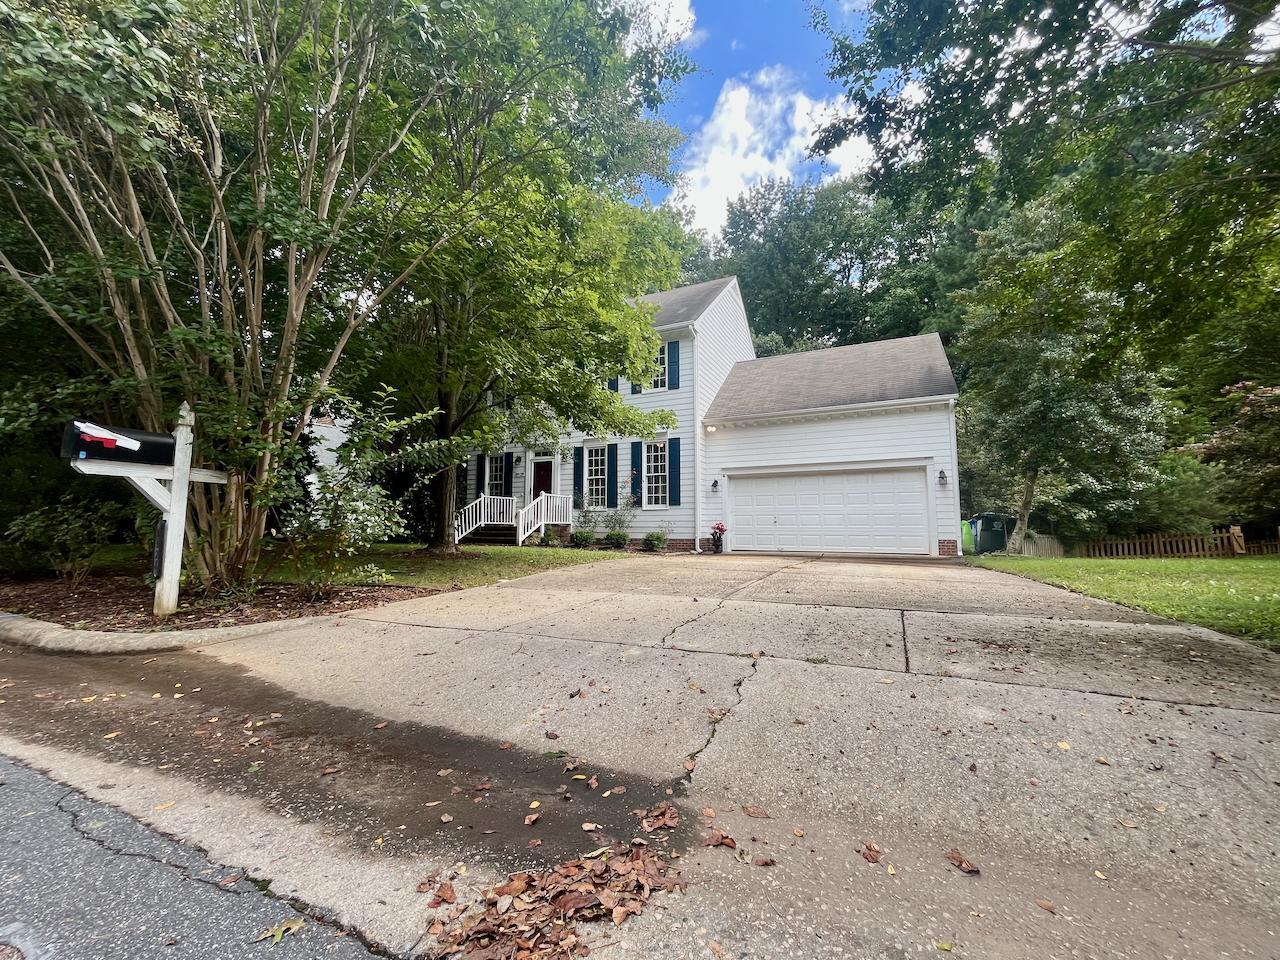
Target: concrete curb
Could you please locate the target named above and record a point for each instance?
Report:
(54, 638)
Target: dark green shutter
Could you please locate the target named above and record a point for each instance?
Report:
(578, 501)
(635, 387)
(482, 461)
(673, 365)
(508, 461)
(611, 476)
(613, 384)
(637, 472)
(673, 471)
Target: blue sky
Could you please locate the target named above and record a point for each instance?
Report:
(759, 92)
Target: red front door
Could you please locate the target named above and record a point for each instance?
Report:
(541, 477)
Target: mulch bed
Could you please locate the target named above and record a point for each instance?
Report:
(116, 602)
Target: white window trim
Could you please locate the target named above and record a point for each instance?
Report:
(662, 370)
(644, 473)
(489, 474)
(587, 450)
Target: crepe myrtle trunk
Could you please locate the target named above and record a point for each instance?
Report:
(1024, 511)
(444, 485)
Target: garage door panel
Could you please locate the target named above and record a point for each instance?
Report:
(858, 511)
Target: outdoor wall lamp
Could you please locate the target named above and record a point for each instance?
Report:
(942, 478)
(715, 484)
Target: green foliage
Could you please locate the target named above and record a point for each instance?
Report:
(69, 535)
(616, 539)
(1247, 448)
(655, 541)
(582, 538)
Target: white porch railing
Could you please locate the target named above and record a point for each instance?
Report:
(482, 511)
(546, 508)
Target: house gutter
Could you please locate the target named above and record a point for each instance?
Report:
(946, 398)
(697, 450)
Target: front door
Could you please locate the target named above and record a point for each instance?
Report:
(541, 478)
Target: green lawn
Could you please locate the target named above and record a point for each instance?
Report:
(1239, 596)
(408, 565)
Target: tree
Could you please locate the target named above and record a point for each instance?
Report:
(245, 188)
(1034, 398)
(520, 324)
(1247, 447)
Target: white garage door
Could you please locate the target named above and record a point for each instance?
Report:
(861, 511)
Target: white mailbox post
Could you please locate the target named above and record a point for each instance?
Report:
(137, 456)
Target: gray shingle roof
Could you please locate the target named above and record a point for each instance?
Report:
(685, 304)
(899, 369)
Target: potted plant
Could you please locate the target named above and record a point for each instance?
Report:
(717, 536)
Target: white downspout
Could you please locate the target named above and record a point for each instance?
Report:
(697, 449)
(955, 481)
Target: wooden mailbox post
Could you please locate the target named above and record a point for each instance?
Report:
(158, 465)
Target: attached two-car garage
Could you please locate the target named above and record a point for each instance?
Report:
(853, 511)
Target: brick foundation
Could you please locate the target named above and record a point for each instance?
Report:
(673, 545)
(947, 548)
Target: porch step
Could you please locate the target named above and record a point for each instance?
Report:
(492, 533)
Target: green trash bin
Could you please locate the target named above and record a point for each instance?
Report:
(991, 531)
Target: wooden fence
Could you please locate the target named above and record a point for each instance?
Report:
(1042, 545)
(1220, 543)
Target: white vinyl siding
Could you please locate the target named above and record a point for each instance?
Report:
(595, 483)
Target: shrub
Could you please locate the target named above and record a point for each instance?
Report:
(69, 534)
(616, 539)
(582, 538)
(655, 541)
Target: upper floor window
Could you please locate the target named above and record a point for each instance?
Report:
(660, 381)
(597, 479)
(655, 474)
(496, 478)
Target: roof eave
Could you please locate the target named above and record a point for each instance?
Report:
(868, 405)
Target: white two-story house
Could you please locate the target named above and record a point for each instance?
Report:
(846, 450)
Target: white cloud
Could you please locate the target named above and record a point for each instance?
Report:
(663, 21)
(761, 127)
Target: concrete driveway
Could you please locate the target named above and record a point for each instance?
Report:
(1121, 769)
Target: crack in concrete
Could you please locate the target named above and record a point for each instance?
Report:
(719, 718)
(696, 617)
(906, 653)
(751, 583)
(261, 886)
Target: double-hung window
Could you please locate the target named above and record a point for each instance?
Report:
(660, 381)
(496, 478)
(655, 474)
(597, 478)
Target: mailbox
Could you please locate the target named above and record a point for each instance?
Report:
(83, 440)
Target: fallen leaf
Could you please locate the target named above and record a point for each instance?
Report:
(889, 868)
(709, 812)
(871, 852)
(112, 735)
(445, 772)
(720, 952)
(1099, 874)
(551, 735)
(764, 861)
(277, 933)
(958, 860)
(535, 804)
(531, 819)
(944, 946)
(446, 818)
(1063, 745)
(433, 803)
(164, 806)
(662, 815)
(797, 832)
(1127, 824)
(505, 745)
(718, 838)
(589, 827)
(328, 770)
(380, 726)
(1044, 903)
(1104, 761)
(690, 764)
(445, 893)
(751, 810)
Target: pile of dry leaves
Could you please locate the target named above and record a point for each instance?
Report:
(533, 915)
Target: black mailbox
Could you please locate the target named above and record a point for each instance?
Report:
(84, 440)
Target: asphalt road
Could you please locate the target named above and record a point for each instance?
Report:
(82, 881)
